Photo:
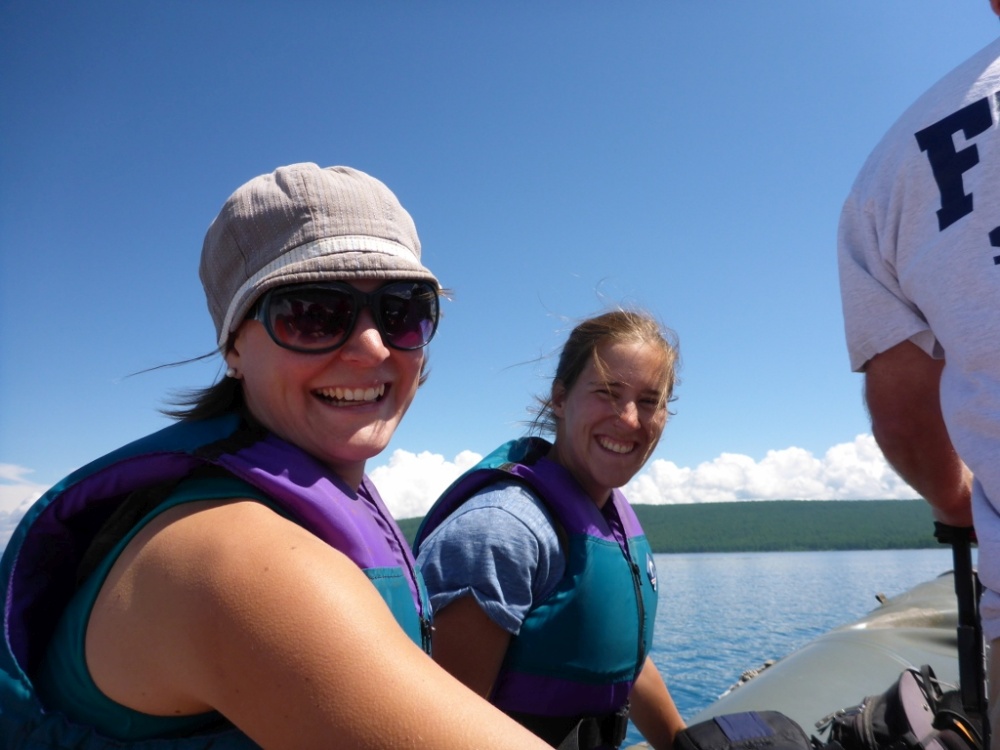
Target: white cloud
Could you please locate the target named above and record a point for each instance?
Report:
(849, 471)
(410, 482)
(16, 496)
(16, 492)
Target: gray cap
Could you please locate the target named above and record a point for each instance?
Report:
(300, 224)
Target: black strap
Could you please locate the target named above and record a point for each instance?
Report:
(576, 732)
(971, 646)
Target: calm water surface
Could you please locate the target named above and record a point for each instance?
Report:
(721, 614)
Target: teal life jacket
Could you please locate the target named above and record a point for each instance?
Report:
(579, 650)
(39, 566)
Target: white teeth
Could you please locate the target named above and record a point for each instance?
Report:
(353, 394)
(615, 446)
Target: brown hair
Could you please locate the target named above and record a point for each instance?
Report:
(611, 327)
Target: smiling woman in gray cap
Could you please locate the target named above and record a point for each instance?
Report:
(235, 580)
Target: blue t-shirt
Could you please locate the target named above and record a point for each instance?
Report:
(501, 548)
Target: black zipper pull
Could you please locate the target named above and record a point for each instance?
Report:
(426, 631)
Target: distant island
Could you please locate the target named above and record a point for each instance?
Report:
(780, 525)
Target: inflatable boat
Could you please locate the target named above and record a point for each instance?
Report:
(840, 668)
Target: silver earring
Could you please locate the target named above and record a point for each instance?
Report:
(231, 372)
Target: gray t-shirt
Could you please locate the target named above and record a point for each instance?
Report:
(501, 548)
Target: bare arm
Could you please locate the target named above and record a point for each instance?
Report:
(902, 387)
(231, 607)
(653, 710)
(469, 644)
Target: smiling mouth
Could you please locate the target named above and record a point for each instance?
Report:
(351, 396)
(615, 446)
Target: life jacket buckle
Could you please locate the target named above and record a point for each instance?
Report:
(614, 726)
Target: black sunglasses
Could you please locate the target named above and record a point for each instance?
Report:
(317, 318)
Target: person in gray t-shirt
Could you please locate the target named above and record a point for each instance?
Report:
(919, 261)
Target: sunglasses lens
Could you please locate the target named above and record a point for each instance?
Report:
(311, 319)
(320, 318)
(408, 314)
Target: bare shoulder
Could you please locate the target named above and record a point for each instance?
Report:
(213, 597)
(210, 553)
(230, 607)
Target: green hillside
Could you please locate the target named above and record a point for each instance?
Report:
(781, 525)
(789, 525)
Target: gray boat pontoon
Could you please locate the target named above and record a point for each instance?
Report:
(841, 667)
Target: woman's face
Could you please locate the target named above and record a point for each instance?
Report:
(608, 423)
(342, 406)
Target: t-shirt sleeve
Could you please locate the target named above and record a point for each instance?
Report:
(499, 547)
(877, 312)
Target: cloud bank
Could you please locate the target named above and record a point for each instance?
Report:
(849, 471)
(409, 482)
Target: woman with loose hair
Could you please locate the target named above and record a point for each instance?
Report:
(542, 582)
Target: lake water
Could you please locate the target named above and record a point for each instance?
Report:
(721, 614)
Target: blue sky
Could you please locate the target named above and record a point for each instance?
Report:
(558, 157)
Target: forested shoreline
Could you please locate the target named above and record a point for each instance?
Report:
(780, 525)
